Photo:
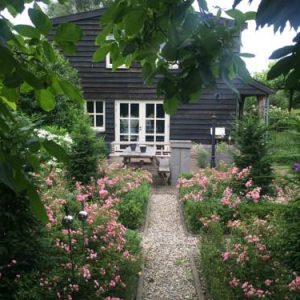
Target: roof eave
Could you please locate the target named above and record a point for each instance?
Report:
(78, 16)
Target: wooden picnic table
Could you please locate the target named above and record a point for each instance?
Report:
(128, 154)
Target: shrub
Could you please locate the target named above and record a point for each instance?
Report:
(202, 158)
(196, 212)
(108, 264)
(67, 111)
(85, 153)
(250, 140)
(290, 235)
(132, 207)
(213, 269)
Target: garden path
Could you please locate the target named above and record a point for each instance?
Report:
(167, 248)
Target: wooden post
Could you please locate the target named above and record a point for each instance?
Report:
(213, 142)
(263, 107)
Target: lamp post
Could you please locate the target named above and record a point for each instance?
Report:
(213, 142)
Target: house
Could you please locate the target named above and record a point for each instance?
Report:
(125, 110)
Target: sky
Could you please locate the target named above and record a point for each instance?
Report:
(261, 42)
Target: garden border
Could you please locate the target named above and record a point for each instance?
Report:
(144, 228)
(182, 219)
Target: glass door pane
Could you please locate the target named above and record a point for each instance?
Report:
(128, 123)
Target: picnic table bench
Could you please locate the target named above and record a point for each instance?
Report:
(163, 163)
(128, 154)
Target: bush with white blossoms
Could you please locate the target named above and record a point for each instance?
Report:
(62, 140)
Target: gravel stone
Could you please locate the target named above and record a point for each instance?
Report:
(167, 270)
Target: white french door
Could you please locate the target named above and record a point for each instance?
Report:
(141, 122)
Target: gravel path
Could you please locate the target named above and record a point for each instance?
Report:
(167, 271)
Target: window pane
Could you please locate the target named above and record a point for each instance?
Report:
(149, 126)
(134, 138)
(149, 138)
(99, 107)
(149, 110)
(134, 126)
(92, 120)
(99, 121)
(124, 126)
(90, 106)
(160, 113)
(124, 110)
(124, 138)
(160, 138)
(135, 110)
(160, 126)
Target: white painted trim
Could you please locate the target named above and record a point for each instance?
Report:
(108, 64)
(142, 120)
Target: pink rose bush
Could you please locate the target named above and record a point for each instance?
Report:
(211, 191)
(244, 252)
(95, 259)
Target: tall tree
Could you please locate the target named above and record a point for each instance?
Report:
(284, 97)
(56, 9)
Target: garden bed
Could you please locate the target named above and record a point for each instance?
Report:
(89, 247)
(249, 240)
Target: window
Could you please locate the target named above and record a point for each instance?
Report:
(108, 61)
(173, 65)
(96, 111)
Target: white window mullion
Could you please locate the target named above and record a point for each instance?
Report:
(142, 123)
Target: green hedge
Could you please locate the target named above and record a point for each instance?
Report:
(216, 276)
(132, 207)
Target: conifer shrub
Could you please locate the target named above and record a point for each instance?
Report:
(251, 143)
(86, 152)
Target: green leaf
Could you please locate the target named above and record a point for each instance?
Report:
(5, 31)
(129, 48)
(12, 94)
(11, 104)
(49, 51)
(281, 52)
(6, 175)
(101, 53)
(247, 55)
(37, 207)
(170, 105)
(71, 91)
(33, 160)
(7, 61)
(56, 150)
(282, 67)
(68, 32)
(67, 35)
(134, 21)
(46, 99)
(249, 15)
(18, 5)
(27, 31)
(292, 80)
(40, 20)
(31, 79)
(236, 14)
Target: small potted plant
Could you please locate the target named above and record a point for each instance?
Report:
(143, 149)
(132, 147)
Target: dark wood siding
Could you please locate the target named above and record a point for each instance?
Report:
(192, 121)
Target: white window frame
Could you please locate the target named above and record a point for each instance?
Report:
(108, 63)
(94, 114)
(142, 118)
